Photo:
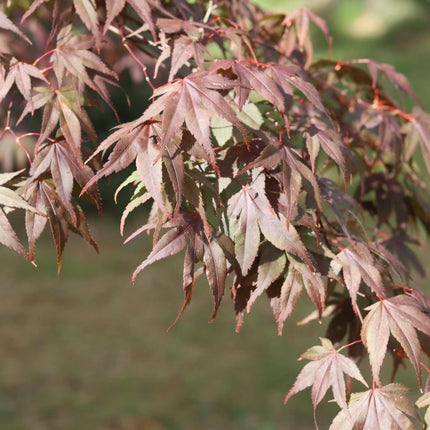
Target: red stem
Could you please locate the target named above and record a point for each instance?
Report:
(380, 105)
(240, 183)
(144, 68)
(213, 21)
(44, 55)
(425, 367)
(349, 344)
(18, 141)
(255, 63)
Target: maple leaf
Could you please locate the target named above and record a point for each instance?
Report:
(137, 143)
(291, 76)
(9, 198)
(20, 73)
(56, 161)
(400, 316)
(62, 106)
(34, 5)
(419, 131)
(7, 24)
(293, 170)
(193, 100)
(34, 223)
(422, 402)
(141, 7)
(340, 202)
(271, 265)
(398, 79)
(299, 276)
(193, 254)
(301, 18)
(243, 218)
(57, 215)
(124, 152)
(333, 145)
(378, 408)
(290, 293)
(250, 208)
(325, 370)
(216, 270)
(8, 237)
(73, 55)
(250, 77)
(149, 167)
(356, 264)
(64, 169)
(47, 201)
(86, 9)
(189, 234)
(172, 242)
(184, 49)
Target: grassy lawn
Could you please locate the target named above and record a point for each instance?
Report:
(88, 350)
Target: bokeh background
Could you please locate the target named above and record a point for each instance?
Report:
(89, 350)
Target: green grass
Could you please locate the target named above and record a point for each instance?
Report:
(89, 350)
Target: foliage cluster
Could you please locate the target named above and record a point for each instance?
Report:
(277, 173)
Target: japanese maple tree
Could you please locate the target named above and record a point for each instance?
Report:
(273, 173)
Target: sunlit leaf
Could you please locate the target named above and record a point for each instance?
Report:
(326, 369)
(7, 24)
(378, 408)
(400, 316)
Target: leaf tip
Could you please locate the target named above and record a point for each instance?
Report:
(213, 318)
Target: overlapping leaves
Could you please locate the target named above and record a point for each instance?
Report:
(11, 199)
(400, 316)
(192, 100)
(379, 408)
(326, 369)
(260, 166)
(250, 212)
(20, 73)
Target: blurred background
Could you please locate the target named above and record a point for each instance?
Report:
(89, 350)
